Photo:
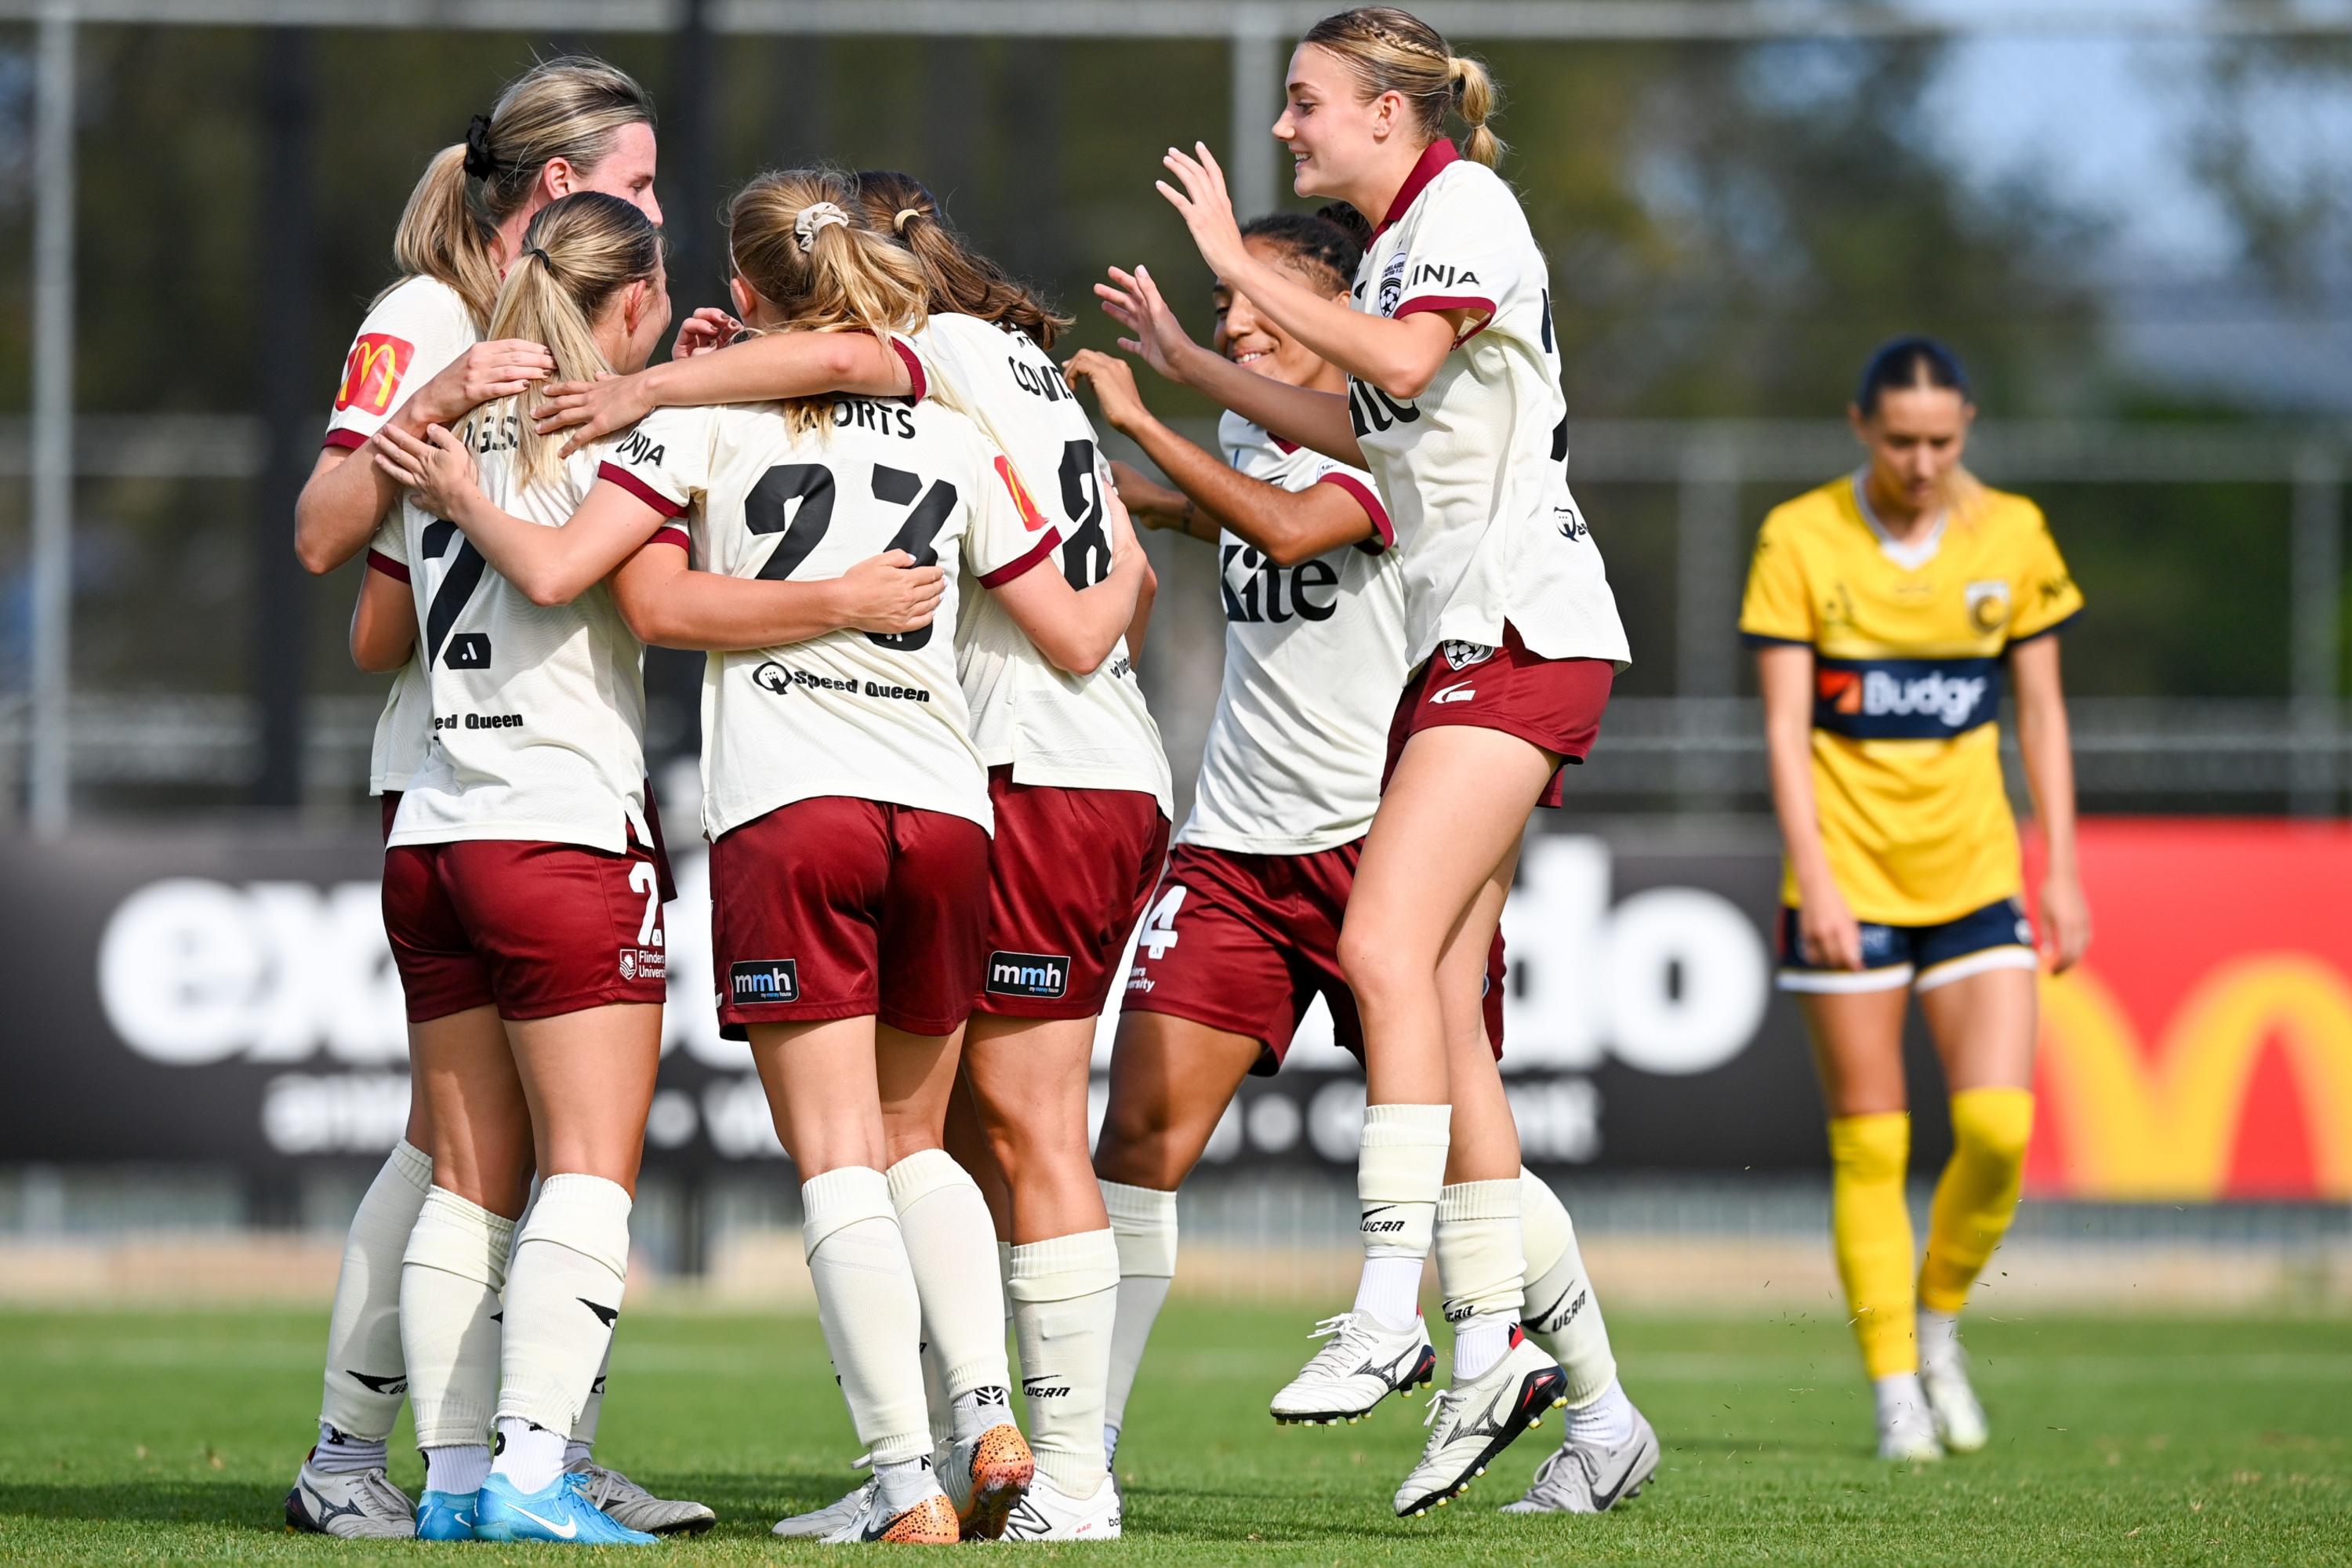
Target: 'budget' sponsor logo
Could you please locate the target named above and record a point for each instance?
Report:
(1036, 974)
(1950, 697)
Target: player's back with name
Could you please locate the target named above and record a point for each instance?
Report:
(871, 715)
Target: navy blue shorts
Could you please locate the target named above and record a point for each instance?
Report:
(1997, 936)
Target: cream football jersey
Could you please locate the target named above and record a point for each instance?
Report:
(408, 338)
(874, 716)
(537, 711)
(1090, 731)
(1314, 663)
(1474, 470)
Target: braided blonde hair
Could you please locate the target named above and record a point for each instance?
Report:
(1390, 49)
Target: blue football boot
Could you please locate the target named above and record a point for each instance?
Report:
(560, 1511)
(444, 1516)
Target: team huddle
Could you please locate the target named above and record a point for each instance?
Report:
(939, 807)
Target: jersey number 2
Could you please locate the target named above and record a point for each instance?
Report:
(467, 650)
(769, 508)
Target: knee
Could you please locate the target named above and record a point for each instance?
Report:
(1874, 1148)
(1993, 1124)
(1368, 960)
(1136, 1147)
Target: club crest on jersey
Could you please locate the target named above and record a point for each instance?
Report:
(1031, 518)
(1039, 974)
(373, 371)
(1465, 655)
(1987, 606)
(761, 980)
(1393, 283)
(645, 962)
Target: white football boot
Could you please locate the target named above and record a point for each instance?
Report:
(1583, 1476)
(1907, 1428)
(1363, 1364)
(1959, 1418)
(632, 1507)
(352, 1504)
(1046, 1512)
(1472, 1422)
(820, 1523)
(930, 1522)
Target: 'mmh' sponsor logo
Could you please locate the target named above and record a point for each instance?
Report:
(1039, 974)
(764, 980)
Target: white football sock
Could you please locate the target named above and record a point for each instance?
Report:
(867, 1303)
(937, 1405)
(460, 1468)
(1939, 1337)
(1606, 1418)
(450, 1278)
(1399, 1169)
(582, 1442)
(366, 1374)
(1143, 1223)
(988, 1405)
(529, 1456)
(563, 1295)
(951, 1246)
(1065, 1298)
(1480, 1267)
(904, 1483)
(574, 1451)
(338, 1453)
(1562, 1311)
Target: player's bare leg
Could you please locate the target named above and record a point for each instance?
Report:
(1984, 1028)
(1028, 1079)
(1172, 1080)
(1857, 1039)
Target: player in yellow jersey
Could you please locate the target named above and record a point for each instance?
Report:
(1884, 606)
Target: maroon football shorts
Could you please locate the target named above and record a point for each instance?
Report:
(536, 929)
(1245, 942)
(1554, 703)
(1068, 876)
(838, 906)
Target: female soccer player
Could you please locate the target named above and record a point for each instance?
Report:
(1453, 406)
(1080, 790)
(1883, 605)
(520, 880)
(1244, 931)
(568, 124)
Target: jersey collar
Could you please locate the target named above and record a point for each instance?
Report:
(1433, 158)
(1910, 553)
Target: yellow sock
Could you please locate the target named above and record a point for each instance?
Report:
(1872, 1230)
(1976, 1196)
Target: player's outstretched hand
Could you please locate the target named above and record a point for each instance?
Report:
(1206, 208)
(709, 327)
(1133, 300)
(2065, 923)
(889, 594)
(1827, 933)
(592, 410)
(1113, 383)
(438, 467)
(499, 368)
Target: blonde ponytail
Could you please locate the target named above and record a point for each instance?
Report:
(802, 241)
(1474, 100)
(569, 109)
(1390, 49)
(576, 255)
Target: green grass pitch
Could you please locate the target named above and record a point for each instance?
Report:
(155, 1438)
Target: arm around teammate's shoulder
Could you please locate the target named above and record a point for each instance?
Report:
(668, 605)
(1075, 628)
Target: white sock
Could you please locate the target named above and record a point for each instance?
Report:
(1606, 1418)
(575, 1451)
(1562, 1313)
(1143, 1223)
(1478, 1343)
(455, 1267)
(338, 1453)
(563, 1295)
(904, 1483)
(460, 1468)
(1481, 1266)
(976, 1412)
(951, 1246)
(1064, 1298)
(1939, 1337)
(591, 1410)
(1899, 1388)
(529, 1456)
(1399, 1169)
(936, 1404)
(866, 1301)
(366, 1374)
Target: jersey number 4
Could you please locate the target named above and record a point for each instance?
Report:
(795, 499)
(1159, 933)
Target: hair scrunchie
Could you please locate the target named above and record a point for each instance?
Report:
(814, 216)
(905, 215)
(478, 163)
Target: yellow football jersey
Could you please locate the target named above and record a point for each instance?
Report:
(1907, 645)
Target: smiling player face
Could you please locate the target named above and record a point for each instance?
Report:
(1251, 340)
(1328, 125)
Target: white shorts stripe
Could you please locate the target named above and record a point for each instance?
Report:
(1978, 962)
(1835, 982)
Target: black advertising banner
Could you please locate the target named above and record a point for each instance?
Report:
(229, 997)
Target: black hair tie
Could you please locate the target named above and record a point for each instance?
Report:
(478, 163)
(544, 259)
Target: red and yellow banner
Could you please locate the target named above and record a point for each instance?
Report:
(2204, 1049)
